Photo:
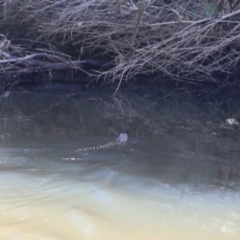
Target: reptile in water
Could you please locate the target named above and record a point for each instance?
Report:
(120, 140)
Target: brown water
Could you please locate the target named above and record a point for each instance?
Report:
(114, 194)
(181, 184)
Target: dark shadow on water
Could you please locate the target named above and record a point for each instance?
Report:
(175, 137)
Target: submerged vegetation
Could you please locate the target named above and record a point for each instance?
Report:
(186, 40)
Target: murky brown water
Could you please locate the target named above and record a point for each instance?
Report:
(181, 182)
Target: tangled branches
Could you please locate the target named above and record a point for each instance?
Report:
(181, 39)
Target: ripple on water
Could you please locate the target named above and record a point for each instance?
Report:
(99, 201)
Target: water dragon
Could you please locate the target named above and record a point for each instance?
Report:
(120, 140)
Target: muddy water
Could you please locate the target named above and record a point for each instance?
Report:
(181, 182)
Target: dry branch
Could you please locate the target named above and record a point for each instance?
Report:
(177, 38)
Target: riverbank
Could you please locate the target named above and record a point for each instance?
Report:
(185, 41)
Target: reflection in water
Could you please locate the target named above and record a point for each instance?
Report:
(107, 195)
(176, 178)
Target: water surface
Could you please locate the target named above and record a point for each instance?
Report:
(176, 178)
